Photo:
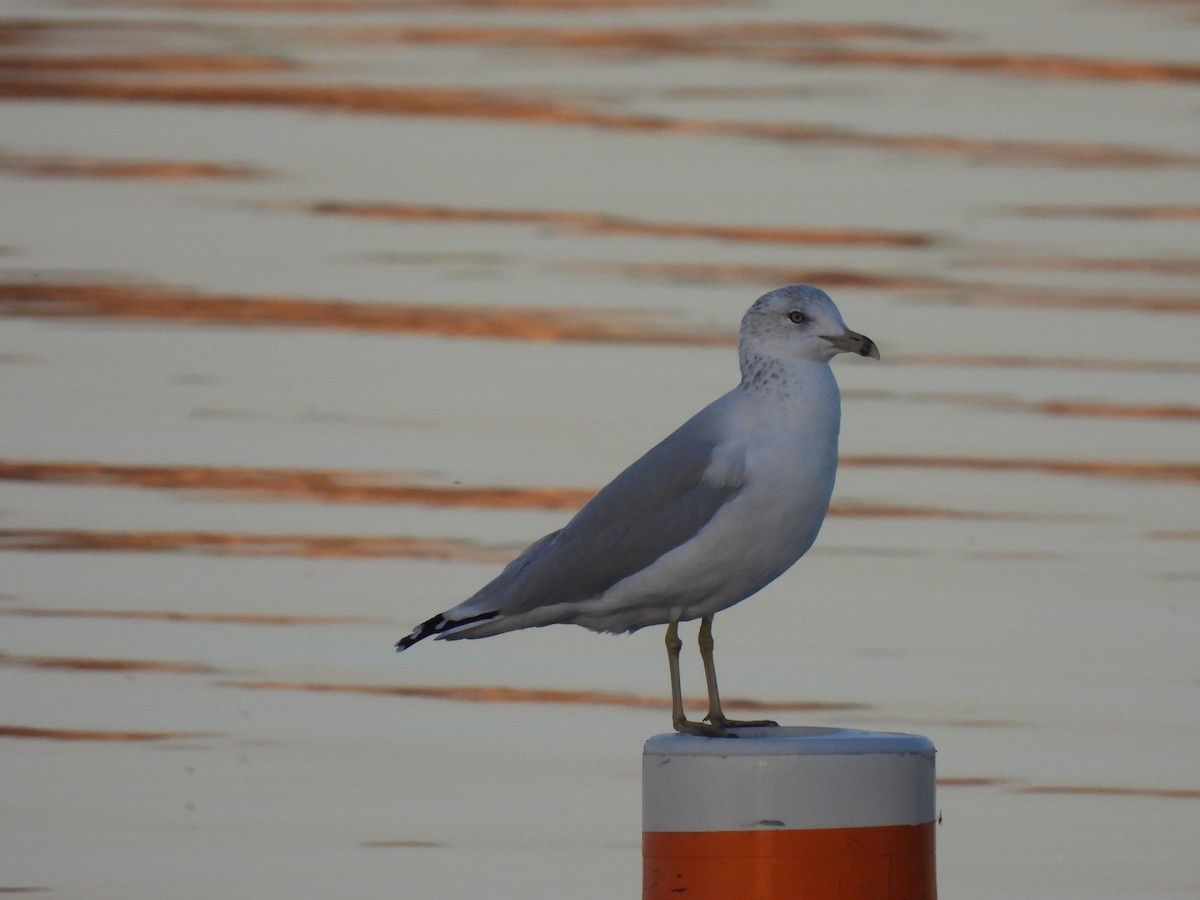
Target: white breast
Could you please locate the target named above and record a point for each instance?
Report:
(782, 447)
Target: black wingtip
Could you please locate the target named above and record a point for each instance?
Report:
(437, 625)
(422, 631)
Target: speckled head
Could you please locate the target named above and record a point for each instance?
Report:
(797, 323)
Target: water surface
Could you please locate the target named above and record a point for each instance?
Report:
(313, 313)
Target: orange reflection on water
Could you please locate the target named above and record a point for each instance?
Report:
(779, 40)
(88, 664)
(1001, 361)
(1113, 791)
(1177, 267)
(150, 303)
(1168, 212)
(1066, 408)
(68, 167)
(146, 62)
(349, 6)
(1139, 471)
(500, 694)
(151, 615)
(599, 223)
(929, 289)
(333, 486)
(81, 734)
(801, 43)
(322, 485)
(496, 105)
(234, 544)
(1082, 790)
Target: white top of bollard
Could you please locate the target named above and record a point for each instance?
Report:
(791, 741)
(786, 778)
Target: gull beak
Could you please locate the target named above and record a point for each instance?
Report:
(853, 342)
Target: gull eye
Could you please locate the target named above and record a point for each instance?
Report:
(797, 317)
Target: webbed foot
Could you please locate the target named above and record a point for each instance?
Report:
(724, 723)
(704, 729)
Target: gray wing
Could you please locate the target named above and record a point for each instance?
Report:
(657, 504)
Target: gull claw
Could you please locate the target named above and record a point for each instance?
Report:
(722, 722)
(704, 729)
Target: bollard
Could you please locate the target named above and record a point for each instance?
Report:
(812, 813)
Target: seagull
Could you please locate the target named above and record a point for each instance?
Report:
(711, 515)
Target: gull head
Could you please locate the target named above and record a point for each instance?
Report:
(798, 323)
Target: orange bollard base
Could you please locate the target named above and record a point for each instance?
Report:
(891, 862)
(791, 813)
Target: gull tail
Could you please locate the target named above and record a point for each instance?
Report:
(439, 625)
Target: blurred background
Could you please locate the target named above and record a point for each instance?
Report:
(314, 312)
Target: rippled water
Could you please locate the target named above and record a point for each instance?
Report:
(312, 313)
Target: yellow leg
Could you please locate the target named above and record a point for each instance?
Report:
(715, 716)
(678, 718)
